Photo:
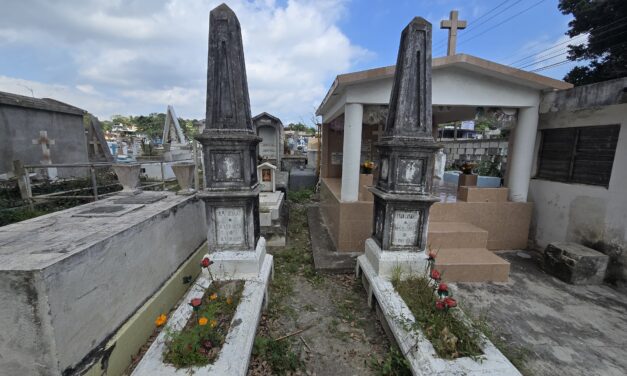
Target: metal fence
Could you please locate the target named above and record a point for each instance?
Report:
(22, 174)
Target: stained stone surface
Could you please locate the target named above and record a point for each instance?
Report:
(70, 282)
(228, 103)
(407, 149)
(574, 263)
(229, 140)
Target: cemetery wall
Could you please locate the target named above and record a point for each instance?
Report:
(19, 126)
(460, 151)
(594, 216)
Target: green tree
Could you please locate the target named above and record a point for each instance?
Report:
(151, 125)
(604, 21)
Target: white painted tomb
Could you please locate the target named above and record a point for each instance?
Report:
(418, 351)
(74, 277)
(239, 341)
(271, 208)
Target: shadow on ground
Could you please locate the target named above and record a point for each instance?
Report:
(564, 329)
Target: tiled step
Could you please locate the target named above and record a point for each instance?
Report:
(471, 265)
(456, 235)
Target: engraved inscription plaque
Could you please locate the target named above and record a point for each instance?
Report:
(229, 226)
(405, 227)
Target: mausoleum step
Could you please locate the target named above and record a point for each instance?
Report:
(471, 265)
(456, 235)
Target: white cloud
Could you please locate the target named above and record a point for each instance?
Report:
(143, 55)
(83, 96)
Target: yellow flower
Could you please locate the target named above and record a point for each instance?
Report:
(161, 320)
(213, 323)
(213, 296)
(202, 321)
(229, 300)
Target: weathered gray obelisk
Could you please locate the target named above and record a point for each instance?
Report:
(402, 192)
(229, 147)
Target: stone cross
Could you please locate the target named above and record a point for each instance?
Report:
(44, 141)
(452, 24)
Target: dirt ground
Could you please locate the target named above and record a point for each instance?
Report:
(340, 334)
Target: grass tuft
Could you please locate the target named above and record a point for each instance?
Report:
(451, 337)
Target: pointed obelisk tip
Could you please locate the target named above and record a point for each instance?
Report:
(222, 8)
(223, 12)
(419, 23)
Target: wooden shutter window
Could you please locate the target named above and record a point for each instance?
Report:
(582, 155)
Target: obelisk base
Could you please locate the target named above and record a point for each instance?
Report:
(387, 263)
(231, 265)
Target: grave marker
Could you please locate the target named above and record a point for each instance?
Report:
(229, 146)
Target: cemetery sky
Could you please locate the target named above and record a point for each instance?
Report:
(136, 57)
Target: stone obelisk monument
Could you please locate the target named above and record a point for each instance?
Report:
(229, 147)
(402, 191)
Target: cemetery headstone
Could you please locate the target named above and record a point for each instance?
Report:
(270, 129)
(267, 172)
(230, 154)
(402, 192)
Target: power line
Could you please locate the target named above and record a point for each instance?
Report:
(471, 23)
(566, 50)
(567, 60)
(502, 22)
(574, 39)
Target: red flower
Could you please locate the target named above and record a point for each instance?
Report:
(195, 303)
(439, 305)
(205, 263)
(432, 256)
(450, 302)
(436, 275)
(443, 289)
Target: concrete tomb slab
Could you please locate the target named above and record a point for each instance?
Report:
(272, 218)
(143, 199)
(74, 281)
(108, 211)
(575, 264)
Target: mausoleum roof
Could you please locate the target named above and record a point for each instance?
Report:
(46, 104)
(461, 61)
(265, 114)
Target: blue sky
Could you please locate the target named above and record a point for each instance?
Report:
(137, 56)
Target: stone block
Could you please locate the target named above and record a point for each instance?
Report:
(575, 264)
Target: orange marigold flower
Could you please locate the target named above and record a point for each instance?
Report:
(213, 296)
(162, 319)
(203, 321)
(213, 323)
(229, 300)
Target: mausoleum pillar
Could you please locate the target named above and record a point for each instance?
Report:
(353, 119)
(521, 156)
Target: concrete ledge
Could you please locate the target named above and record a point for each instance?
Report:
(135, 332)
(417, 349)
(235, 354)
(326, 260)
(477, 194)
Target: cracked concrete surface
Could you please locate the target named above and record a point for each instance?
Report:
(568, 330)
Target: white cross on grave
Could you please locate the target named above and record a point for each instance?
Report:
(453, 24)
(45, 143)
